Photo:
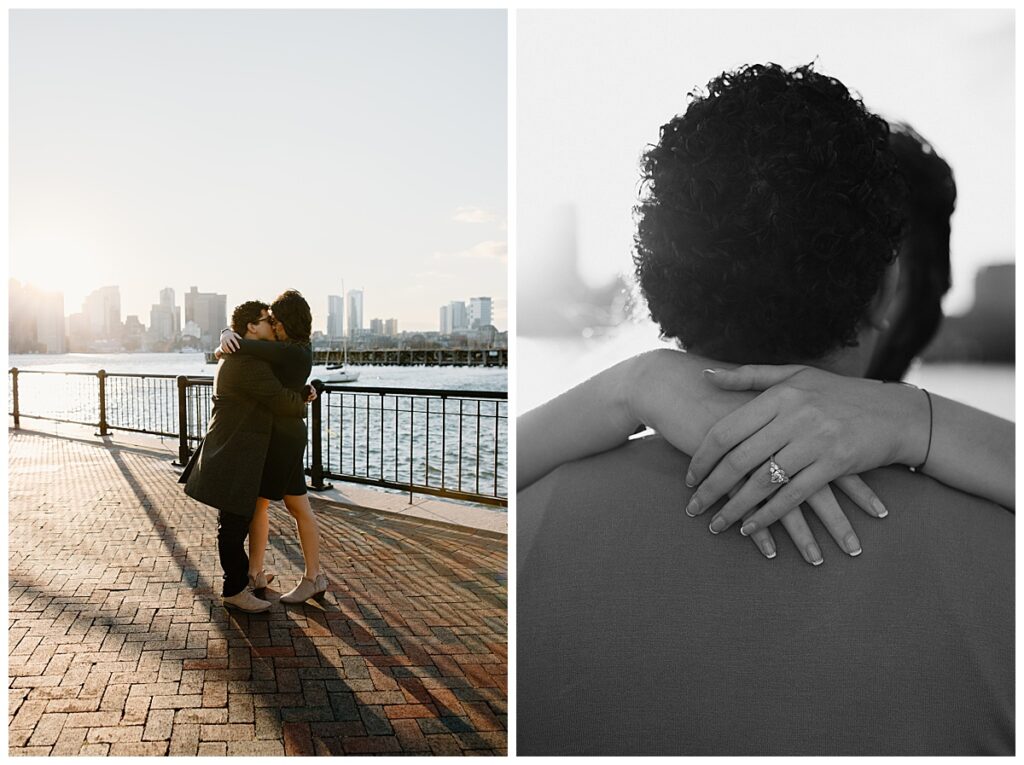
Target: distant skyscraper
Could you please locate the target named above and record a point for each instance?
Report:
(376, 327)
(165, 318)
(391, 327)
(335, 317)
(479, 312)
(167, 301)
(161, 323)
(35, 320)
(355, 312)
(103, 309)
(208, 311)
(458, 315)
(445, 320)
(50, 331)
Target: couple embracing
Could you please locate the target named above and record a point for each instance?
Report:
(252, 452)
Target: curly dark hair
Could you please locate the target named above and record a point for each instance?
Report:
(247, 313)
(772, 208)
(924, 255)
(292, 310)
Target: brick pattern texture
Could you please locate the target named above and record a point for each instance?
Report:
(119, 644)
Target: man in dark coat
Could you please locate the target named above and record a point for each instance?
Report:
(225, 471)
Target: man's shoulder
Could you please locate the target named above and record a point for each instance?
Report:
(235, 369)
(234, 364)
(651, 468)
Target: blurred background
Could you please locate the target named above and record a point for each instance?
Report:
(595, 86)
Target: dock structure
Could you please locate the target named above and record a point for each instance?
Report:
(411, 357)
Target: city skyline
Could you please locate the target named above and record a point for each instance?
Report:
(42, 321)
(255, 151)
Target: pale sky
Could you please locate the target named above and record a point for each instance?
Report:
(593, 88)
(246, 152)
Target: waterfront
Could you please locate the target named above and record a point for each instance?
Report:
(440, 431)
(194, 364)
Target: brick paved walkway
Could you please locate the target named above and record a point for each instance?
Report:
(118, 643)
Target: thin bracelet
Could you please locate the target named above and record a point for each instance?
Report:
(931, 424)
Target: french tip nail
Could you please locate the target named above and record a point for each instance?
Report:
(856, 553)
(817, 562)
(709, 371)
(712, 530)
(769, 557)
(747, 530)
(879, 508)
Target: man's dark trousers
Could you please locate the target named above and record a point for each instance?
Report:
(232, 529)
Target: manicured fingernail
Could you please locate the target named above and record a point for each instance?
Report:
(693, 508)
(718, 524)
(768, 549)
(852, 544)
(709, 372)
(814, 555)
(690, 480)
(748, 528)
(879, 508)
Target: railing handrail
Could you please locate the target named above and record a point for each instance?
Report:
(436, 392)
(317, 469)
(340, 387)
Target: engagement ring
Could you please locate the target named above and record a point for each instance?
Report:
(778, 475)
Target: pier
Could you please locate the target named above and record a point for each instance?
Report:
(409, 357)
(118, 643)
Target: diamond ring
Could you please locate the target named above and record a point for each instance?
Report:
(777, 474)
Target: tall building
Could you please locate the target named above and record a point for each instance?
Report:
(376, 327)
(355, 312)
(335, 317)
(391, 327)
(209, 312)
(50, 331)
(167, 301)
(165, 318)
(459, 318)
(445, 320)
(102, 307)
(35, 320)
(479, 312)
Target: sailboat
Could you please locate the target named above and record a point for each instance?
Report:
(336, 373)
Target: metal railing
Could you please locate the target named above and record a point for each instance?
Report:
(448, 443)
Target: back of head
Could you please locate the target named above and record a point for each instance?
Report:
(292, 310)
(638, 632)
(772, 208)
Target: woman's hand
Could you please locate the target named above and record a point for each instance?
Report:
(229, 341)
(310, 393)
(818, 428)
(825, 506)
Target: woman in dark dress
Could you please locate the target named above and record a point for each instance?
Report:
(283, 477)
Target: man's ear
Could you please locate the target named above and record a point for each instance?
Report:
(879, 307)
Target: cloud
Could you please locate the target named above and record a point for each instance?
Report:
(473, 215)
(491, 250)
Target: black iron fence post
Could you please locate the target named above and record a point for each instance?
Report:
(316, 467)
(183, 450)
(14, 382)
(102, 375)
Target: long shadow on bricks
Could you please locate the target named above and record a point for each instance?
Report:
(410, 657)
